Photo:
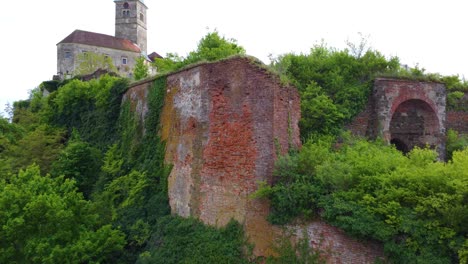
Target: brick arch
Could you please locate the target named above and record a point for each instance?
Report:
(414, 122)
(427, 97)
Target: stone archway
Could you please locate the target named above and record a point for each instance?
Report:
(414, 123)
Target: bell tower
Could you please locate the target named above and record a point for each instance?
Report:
(130, 21)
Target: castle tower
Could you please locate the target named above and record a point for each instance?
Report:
(130, 21)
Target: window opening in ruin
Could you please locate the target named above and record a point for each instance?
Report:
(68, 54)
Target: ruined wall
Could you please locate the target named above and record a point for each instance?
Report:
(224, 124)
(408, 113)
(458, 121)
(336, 247)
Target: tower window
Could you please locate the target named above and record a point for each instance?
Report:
(126, 5)
(68, 54)
(124, 60)
(142, 17)
(126, 13)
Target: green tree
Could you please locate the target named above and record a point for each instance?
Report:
(141, 69)
(214, 47)
(41, 146)
(338, 82)
(211, 47)
(79, 161)
(89, 62)
(45, 220)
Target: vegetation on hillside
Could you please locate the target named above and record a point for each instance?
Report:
(82, 180)
(413, 204)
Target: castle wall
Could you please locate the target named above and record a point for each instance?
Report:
(411, 112)
(69, 64)
(224, 124)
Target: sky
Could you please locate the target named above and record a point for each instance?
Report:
(428, 33)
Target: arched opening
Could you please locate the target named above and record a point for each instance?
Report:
(414, 123)
(125, 5)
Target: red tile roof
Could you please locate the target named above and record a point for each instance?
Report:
(154, 55)
(100, 40)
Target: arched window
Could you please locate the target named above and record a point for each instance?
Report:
(126, 5)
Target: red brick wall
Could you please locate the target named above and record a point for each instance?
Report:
(338, 248)
(224, 124)
(458, 121)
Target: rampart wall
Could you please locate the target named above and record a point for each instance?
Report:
(224, 124)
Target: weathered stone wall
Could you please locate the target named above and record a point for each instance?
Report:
(133, 25)
(68, 65)
(224, 124)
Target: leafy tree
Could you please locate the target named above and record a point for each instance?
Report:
(214, 47)
(89, 62)
(44, 220)
(141, 69)
(211, 47)
(79, 161)
(179, 240)
(40, 146)
(334, 85)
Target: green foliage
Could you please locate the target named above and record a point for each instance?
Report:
(44, 220)
(334, 85)
(299, 253)
(41, 146)
(141, 69)
(413, 204)
(214, 47)
(89, 62)
(179, 240)
(211, 47)
(455, 142)
(92, 108)
(79, 161)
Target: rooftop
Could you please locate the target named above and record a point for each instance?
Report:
(100, 40)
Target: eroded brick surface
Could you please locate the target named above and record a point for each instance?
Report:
(224, 124)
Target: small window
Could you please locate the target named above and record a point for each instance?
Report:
(142, 17)
(126, 5)
(68, 54)
(126, 13)
(124, 60)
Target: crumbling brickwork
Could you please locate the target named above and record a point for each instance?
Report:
(224, 124)
(458, 121)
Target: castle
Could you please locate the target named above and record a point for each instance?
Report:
(128, 44)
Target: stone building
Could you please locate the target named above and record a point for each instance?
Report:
(128, 44)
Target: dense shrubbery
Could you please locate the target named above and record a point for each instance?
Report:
(415, 205)
(334, 85)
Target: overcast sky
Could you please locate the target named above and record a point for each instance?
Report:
(430, 33)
